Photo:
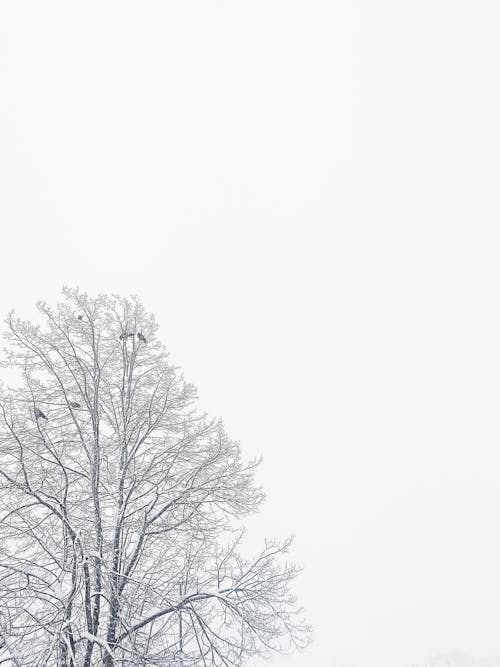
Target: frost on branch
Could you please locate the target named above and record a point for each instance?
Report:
(117, 497)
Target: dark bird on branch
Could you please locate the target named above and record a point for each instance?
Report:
(39, 414)
(75, 405)
(141, 338)
(80, 317)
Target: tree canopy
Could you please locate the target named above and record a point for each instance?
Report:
(121, 506)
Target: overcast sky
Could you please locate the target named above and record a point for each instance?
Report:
(306, 196)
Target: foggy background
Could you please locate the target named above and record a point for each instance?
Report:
(306, 196)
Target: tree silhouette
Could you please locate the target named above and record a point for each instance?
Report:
(120, 512)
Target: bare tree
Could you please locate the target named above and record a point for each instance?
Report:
(120, 504)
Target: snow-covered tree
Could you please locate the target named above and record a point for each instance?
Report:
(120, 504)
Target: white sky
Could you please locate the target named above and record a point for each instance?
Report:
(306, 195)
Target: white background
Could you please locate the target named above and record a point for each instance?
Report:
(306, 195)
